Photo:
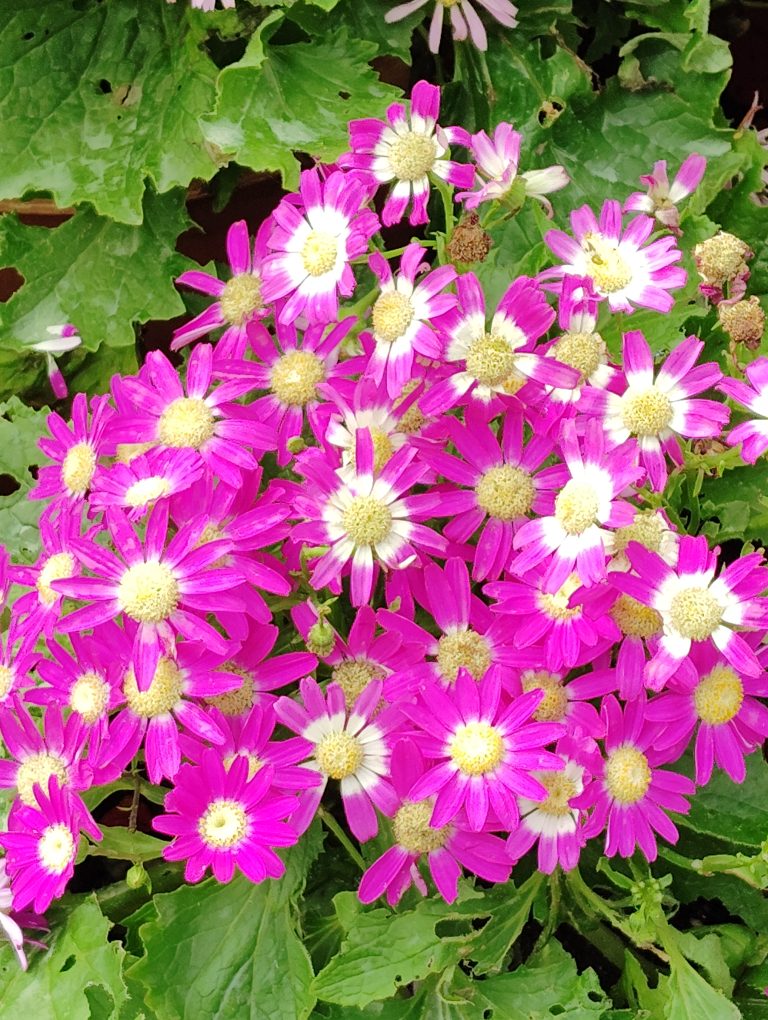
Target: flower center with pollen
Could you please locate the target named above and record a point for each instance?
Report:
(576, 506)
(647, 413)
(319, 252)
(354, 675)
(627, 774)
(146, 490)
(36, 770)
(559, 789)
(392, 315)
(555, 701)
(490, 359)
(241, 298)
(647, 528)
(718, 696)
(56, 848)
(382, 448)
(605, 264)
(695, 613)
(241, 699)
(634, 619)
(463, 649)
(186, 422)
(477, 748)
(55, 568)
(583, 351)
(78, 467)
(555, 604)
(295, 377)
(412, 156)
(367, 520)
(339, 755)
(148, 592)
(223, 824)
(89, 697)
(7, 676)
(162, 694)
(412, 829)
(505, 492)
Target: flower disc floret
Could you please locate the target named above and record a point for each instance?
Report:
(627, 774)
(647, 413)
(463, 649)
(56, 568)
(576, 507)
(582, 351)
(412, 829)
(560, 789)
(392, 315)
(490, 359)
(477, 748)
(186, 422)
(162, 695)
(634, 619)
(605, 264)
(7, 676)
(241, 298)
(223, 824)
(78, 467)
(647, 529)
(555, 701)
(354, 675)
(89, 696)
(148, 592)
(318, 253)
(295, 377)
(555, 604)
(241, 699)
(339, 754)
(382, 449)
(36, 770)
(695, 613)
(505, 492)
(146, 490)
(718, 696)
(56, 848)
(412, 156)
(367, 520)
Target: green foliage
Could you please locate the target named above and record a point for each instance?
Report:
(20, 429)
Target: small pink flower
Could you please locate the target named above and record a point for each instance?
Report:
(464, 19)
(753, 434)
(661, 199)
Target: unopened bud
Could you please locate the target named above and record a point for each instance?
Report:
(321, 638)
(721, 258)
(137, 877)
(744, 322)
(295, 445)
(469, 242)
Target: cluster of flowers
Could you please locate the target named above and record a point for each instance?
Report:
(521, 641)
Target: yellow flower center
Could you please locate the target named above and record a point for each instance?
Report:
(463, 649)
(555, 604)
(605, 264)
(223, 824)
(319, 252)
(241, 699)
(295, 377)
(147, 490)
(412, 156)
(477, 748)
(695, 613)
(56, 567)
(559, 789)
(126, 452)
(490, 359)
(186, 422)
(647, 413)
(505, 492)
(647, 528)
(392, 315)
(56, 848)
(449, 3)
(36, 770)
(162, 695)
(339, 755)
(718, 696)
(412, 829)
(89, 697)
(634, 619)
(382, 449)
(78, 467)
(627, 774)
(241, 298)
(353, 676)
(148, 592)
(7, 676)
(555, 701)
(582, 351)
(254, 762)
(367, 520)
(576, 506)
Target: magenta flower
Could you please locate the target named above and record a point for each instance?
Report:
(566, 701)
(17, 658)
(630, 794)
(406, 150)
(661, 198)
(464, 19)
(238, 301)
(753, 435)
(38, 611)
(624, 269)
(136, 487)
(369, 408)
(484, 746)
(221, 819)
(312, 244)
(657, 410)
(63, 338)
(447, 848)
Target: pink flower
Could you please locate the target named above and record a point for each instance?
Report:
(64, 338)
(464, 19)
(753, 435)
(136, 487)
(662, 198)
(38, 611)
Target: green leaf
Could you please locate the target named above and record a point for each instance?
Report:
(20, 429)
(231, 950)
(79, 958)
(360, 19)
(738, 501)
(512, 909)
(278, 100)
(687, 996)
(100, 275)
(738, 814)
(111, 94)
(120, 844)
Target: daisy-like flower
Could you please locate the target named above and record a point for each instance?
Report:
(164, 587)
(661, 198)
(401, 314)
(574, 536)
(464, 19)
(407, 150)
(724, 710)
(346, 745)
(447, 848)
(136, 487)
(41, 846)
(366, 519)
(484, 746)
(17, 658)
(624, 269)
(64, 338)
(695, 605)
(753, 435)
(75, 451)
(370, 408)
(657, 410)
(498, 159)
(629, 793)
(198, 417)
(223, 819)
(566, 701)
(312, 244)
(485, 363)
(238, 301)
(39, 610)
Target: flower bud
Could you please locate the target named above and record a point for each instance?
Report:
(744, 322)
(469, 242)
(137, 876)
(321, 638)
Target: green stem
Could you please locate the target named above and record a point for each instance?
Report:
(446, 194)
(333, 826)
